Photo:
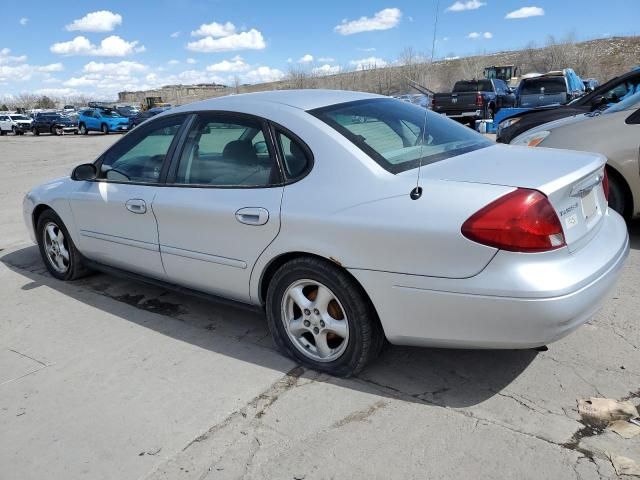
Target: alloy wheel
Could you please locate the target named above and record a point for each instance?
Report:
(56, 247)
(315, 320)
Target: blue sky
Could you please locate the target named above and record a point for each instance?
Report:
(100, 48)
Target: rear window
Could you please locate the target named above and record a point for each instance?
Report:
(391, 132)
(473, 86)
(543, 86)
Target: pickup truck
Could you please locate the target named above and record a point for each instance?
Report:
(473, 100)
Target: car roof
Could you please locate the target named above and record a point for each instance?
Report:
(303, 99)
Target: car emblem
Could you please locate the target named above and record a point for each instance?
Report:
(454, 100)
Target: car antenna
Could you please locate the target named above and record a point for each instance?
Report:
(416, 193)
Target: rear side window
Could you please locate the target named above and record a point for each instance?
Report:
(296, 160)
(473, 86)
(227, 152)
(543, 86)
(391, 132)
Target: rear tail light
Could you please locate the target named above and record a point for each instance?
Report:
(479, 100)
(605, 184)
(520, 221)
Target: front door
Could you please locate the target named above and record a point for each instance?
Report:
(114, 218)
(224, 209)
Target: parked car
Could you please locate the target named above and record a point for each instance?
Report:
(68, 109)
(15, 123)
(614, 133)
(303, 203)
(53, 123)
(473, 100)
(127, 110)
(101, 120)
(417, 99)
(553, 88)
(590, 84)
(146, 115)
(609, 93)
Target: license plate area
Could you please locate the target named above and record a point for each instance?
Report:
(590, 206)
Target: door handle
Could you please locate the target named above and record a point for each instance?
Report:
(253, 215)
(136, 205)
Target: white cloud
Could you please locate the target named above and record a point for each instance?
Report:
(191, 61)
(262, 74)
(455, 57)
(326, 59)
(80, 82)
(308, 58)
(173, 62)
(370, 49)
(5, 58)
(57, 92)
(476, 35)
(101, 21)
(326, 69)
(235, 65)
(52, 67)
(525, 12)
(250, 40)
(112, 46)
(370, 62)
(24, 21)
(382, 20)
(215, 30)
(468, 5)
(289, 60)
(175, 35)
(123, 68)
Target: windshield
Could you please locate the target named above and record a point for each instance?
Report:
(473, 86)
(51, 117)
(542, 86)
(19, 117)
(631, 101)
(390, 132)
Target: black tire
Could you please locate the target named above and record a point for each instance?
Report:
(35, 131)
(104, 129)
(14, 130)
(366, 337)
(2, 132)
(76, 268)
(618, 197)
(83, 129)
(53, 131)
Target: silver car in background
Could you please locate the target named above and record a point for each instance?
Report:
(304, 204)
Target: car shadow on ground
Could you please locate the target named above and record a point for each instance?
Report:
(452, 378)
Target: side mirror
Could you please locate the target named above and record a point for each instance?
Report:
(598, 101)
(260, 147)
(84, 172)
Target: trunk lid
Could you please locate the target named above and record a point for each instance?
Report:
(571, 180)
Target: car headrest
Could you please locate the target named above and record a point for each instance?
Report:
(240, 150)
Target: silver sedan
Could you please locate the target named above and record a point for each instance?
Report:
(349, 218)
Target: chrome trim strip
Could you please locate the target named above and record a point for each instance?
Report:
(205, 257)
(120, 240)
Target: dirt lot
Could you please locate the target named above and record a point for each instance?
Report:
(107, 378)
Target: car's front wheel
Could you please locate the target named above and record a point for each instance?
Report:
(321, 317)
(58, 251)
(35, 131)
(105, 129)
(83, 129)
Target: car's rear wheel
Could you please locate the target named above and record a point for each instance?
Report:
(617, 196)
(105, 129)
(321, 317)
(58, 251)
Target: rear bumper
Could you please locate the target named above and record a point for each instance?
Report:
(469, 114)
(517, 301)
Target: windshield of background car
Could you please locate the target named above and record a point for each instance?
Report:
(542, 86)
(631, 101)
(473, 86)
(391, 132)
(19, 117)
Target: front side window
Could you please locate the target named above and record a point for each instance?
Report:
(139, 156)
(391, 132)
(226, 152)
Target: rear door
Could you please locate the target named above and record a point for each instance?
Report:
(114, 218)
(223, 209)
(5, 124)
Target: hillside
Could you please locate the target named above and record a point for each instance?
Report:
(600, 59)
